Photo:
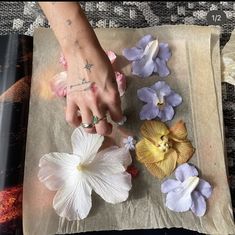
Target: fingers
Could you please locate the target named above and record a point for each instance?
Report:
(72, 116)
(114, 106)
(87, 120)
(100, 121)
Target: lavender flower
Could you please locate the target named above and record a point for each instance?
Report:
(129, 143)
(160, 101)
(187, 192)
(149, 56)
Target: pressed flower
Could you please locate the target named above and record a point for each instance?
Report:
(160, 101)
(59, 81)
(162, 148)
(75, 175)
(133, 171)
(148, 57)
(187, 192)
(59, 84)
(129, 143)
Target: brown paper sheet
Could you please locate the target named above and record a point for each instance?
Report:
(195, 74)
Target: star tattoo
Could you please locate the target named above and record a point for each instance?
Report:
(88, 66)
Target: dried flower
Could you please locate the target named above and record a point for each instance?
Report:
(160, 99)
(187, 192)
(148, 57)
(161, 148)
(74, 176)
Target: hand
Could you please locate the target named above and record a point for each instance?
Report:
(92, 90)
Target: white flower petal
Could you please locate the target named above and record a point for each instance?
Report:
(56, 168)
(85, 145)
(112, 188)
(73, 201)
(110, 161)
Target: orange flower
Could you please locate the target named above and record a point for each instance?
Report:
(161, 148)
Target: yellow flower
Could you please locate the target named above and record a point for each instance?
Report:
(162, 148)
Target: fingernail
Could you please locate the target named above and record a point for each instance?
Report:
(122, 121)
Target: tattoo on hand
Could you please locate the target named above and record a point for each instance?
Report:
(88, 66)
(68, 22)
(84, 86)
(82, 83)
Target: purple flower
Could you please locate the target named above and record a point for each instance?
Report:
(187, 192)
(149, 56)
(129, 143)
(160, 101)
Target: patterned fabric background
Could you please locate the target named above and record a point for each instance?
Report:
(24, 17)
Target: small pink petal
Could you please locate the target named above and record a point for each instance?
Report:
(59, 84)
(63, 61)
(121, 82)
(112, 56)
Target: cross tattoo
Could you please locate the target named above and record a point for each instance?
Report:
(88, 66)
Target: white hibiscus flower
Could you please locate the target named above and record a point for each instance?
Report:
(74, 176)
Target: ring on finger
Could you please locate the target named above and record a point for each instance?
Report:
(87, 125)
(96, 119)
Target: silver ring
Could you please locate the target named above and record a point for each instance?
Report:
(87, 125)
(122, 121)
(96, 120)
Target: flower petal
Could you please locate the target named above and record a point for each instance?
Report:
(161, 68)
(180, 199)
(164, 52)
(133, 53)
(112, 188)
(56, 168)
(178, 202)
(73, 201)
(85, 145)
(173, 99)
(147, 95)
(199, 204)
(59, 84)
(110, 161)
(166, 114)
(154, 130)
(184, 150)
(161, 88)
(184, 171)
(204, 188)
(144, 41)
(147, 152)
(165, 167)
(148, 112)
(178, 131)
(143, 67)
(169, 185)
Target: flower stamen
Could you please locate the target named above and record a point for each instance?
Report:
(80, 167)
(164, 144)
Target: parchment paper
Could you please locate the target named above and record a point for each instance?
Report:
(195, 74)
